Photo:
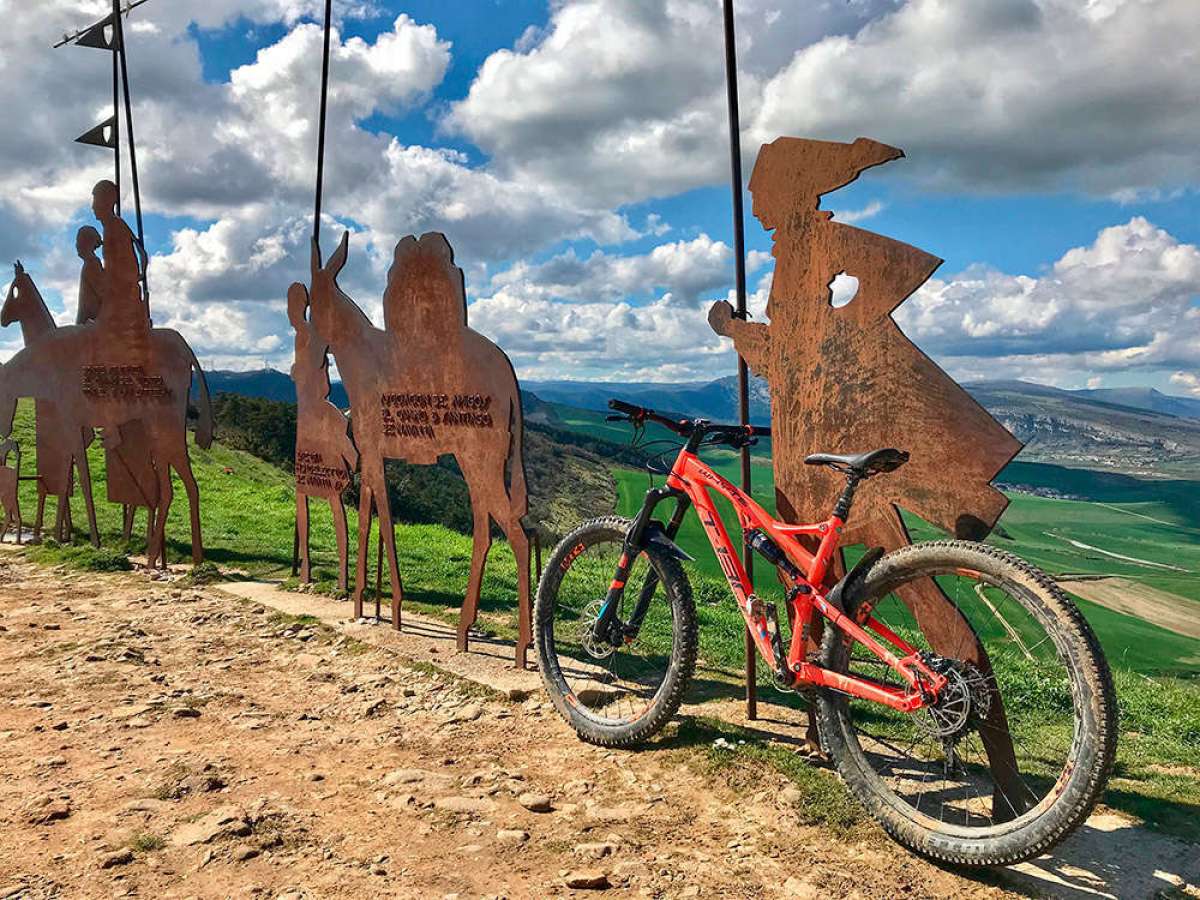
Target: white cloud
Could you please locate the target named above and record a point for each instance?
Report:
(685, 270)
(850, 216)
(1126, 301)
(1188, 381)
(622, 100)
(996, 95)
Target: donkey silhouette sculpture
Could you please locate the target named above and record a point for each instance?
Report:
(61, 443)
(847, 379)
(426, 386)
(325, 455)
(10, 483)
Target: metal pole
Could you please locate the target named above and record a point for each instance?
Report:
(321, 123)
(119, 36)
(317, 210)
(116, 102)
(739, 253)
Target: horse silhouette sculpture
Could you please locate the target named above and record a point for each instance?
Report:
(847, 379)
(91, 383)
(61, 443)
(325, 455)
(426, 386)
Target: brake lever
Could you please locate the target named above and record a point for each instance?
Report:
(612, 418)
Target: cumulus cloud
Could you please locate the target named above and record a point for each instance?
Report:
(574, 316)
(620, 100)
(1129, 300)
(238, 157)
(685, 270)
(1188, 381)
(1008, 94)
(624, 100)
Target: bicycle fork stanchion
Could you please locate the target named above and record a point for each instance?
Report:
(739, 250)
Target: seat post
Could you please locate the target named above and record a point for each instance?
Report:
(846, 500)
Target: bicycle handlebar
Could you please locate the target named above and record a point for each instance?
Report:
(684, 427)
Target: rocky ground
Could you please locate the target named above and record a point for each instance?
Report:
(166, 742)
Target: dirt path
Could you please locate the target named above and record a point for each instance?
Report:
(158, 742)
(1123, 595)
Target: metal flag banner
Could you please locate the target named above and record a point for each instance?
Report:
(103, 135)
(102, 36)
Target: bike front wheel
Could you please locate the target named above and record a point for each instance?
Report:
(1019, 744)
(614, 695)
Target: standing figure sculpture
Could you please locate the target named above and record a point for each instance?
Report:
(848, 378)
(61, 442)
(426, 386)
(325, 455)
(129, 473)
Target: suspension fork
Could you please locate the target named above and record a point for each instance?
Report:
(635, 543)
(650, 585)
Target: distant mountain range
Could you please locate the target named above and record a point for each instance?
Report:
(1128, 429)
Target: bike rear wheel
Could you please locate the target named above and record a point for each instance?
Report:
(615, 696)
(1019, 746)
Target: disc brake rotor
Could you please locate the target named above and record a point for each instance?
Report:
(596, 647)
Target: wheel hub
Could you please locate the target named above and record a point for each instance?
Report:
(595, 646)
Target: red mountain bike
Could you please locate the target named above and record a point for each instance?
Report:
(986, 749)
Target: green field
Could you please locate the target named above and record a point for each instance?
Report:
(1037, 529)
(1154, 524)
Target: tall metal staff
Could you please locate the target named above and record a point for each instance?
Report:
(321, 124)
(739, 252)
(109, 34)
(317, 215)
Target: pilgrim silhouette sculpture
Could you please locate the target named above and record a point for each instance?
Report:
(130, 477)
(847, 379)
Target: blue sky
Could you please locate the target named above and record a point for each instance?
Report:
(574, 153)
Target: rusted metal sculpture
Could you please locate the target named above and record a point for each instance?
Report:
(10, 481)
(130, 477)
(325, 455)
(121, 375)
(424, 386)
(61, 442)
(847, 378)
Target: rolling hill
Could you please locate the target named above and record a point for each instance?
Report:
(1148, 433)
(1136, 430)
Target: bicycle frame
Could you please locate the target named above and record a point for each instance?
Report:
(690, 482)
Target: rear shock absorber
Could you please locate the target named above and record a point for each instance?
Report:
(772, 553)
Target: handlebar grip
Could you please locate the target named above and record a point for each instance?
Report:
(762, 431)
(628, 408)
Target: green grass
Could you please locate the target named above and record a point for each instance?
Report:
(80, 556)
(146, 842)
